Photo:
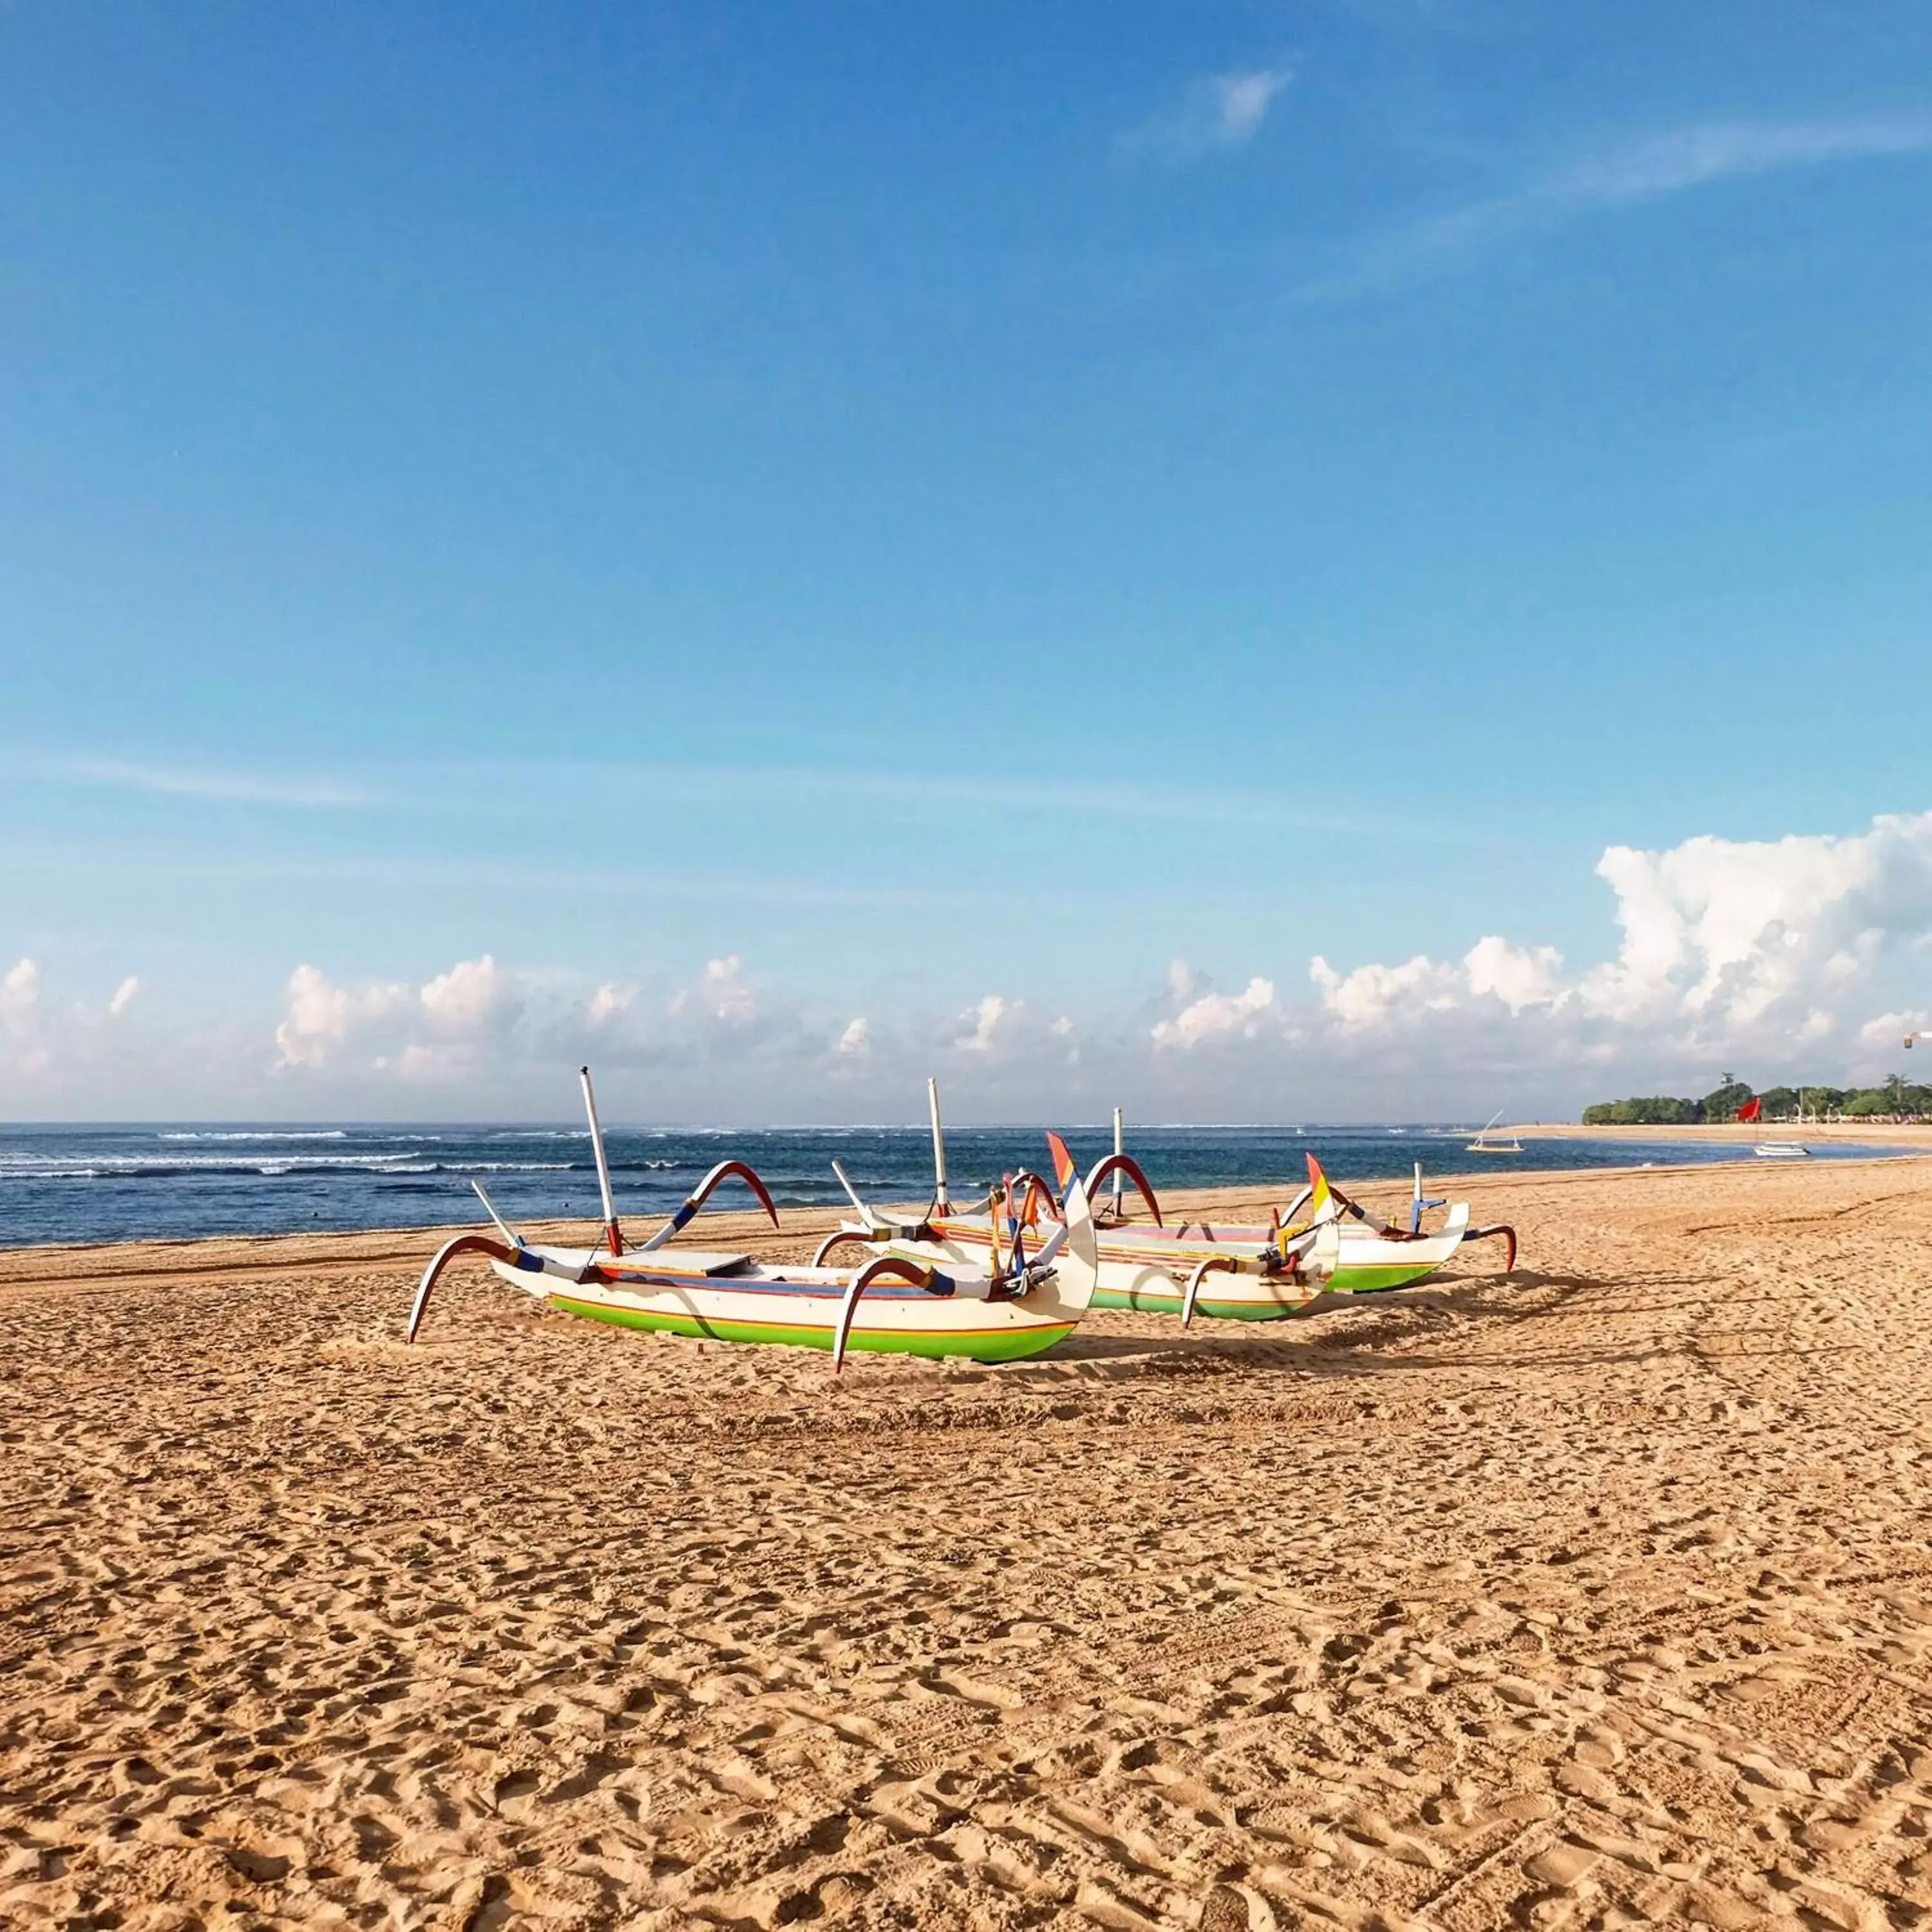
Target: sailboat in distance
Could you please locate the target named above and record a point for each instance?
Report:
(1482, 1144)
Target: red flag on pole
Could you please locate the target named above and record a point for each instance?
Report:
(1750, 1110)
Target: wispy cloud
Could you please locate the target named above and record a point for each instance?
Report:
(1635, 172)
(1219, 111)
(233, 787)
(535, 789)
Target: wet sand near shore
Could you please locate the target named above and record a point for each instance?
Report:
(1599, 1595)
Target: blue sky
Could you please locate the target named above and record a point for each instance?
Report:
(943, 506)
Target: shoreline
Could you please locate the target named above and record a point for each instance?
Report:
(801, 1228)
(1908, 1136)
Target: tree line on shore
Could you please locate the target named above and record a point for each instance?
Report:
(1896, 1099)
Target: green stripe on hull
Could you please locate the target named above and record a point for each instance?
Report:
(1378, 1280)
(1148, 1302)
(1007, 1346)
(1346, 1281)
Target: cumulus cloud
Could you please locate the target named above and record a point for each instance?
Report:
(1218, 1015)
(1895, 1029)
(612, 999)
(494, 1028)
(1184, 985)
(19, 996)
(1800, 957)
(1518, 976)
(321, 1016)
(722, 993)
(1371, 994)
(1217, 111)
(38, 1032)
(1764, 948)
(1733, 933)
(474, 996)
(983, 1022)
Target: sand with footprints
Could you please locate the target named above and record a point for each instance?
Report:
(1600, 1596)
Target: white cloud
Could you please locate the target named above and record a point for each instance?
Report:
(1644, 169)
(233, 787)
(1518, 976)
(40, 1033)
(983, 1021)
(1733, 948)
(1218, 111)
(1371, 994)
(20, 996)
(1790, 958)
(722, 992)
(1215, 1016)
(1240, 102)
(1687, 157)
(474, 996)
(611, 999)
(1889, 1030)
(484, 1023)
(1733, 933)
(323, 1016)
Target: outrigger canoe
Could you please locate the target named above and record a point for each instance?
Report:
(1322, 1251)
(891, 1305)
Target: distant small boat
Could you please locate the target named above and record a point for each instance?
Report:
(1781, 1151)
(1482, 1144)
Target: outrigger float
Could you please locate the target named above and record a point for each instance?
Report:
(892, 1304)
(1322, 1250)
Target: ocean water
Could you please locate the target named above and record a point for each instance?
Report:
(122, 1183)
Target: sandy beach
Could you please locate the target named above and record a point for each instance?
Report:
(1599, 1595)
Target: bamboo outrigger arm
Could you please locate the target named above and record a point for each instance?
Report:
(888, 1267)
(524, 1260)
(1033, 1193)
(1202, 1269)
(725, 1170)
(1125, 1164)
(1503, 1229)
(839, 1236)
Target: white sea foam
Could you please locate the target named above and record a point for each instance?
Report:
(100, 1166)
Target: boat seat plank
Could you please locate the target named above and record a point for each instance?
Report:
(694, 1261)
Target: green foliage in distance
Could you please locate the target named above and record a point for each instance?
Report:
(1897, 1098)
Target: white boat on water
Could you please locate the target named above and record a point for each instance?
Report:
(1781, 1151)
(1482, 1144)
